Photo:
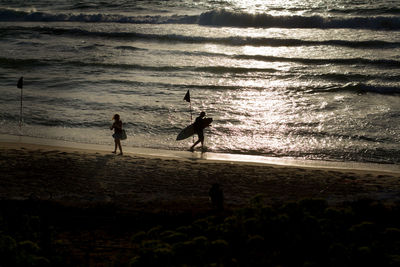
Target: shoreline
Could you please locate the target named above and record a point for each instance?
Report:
(200, 156)
(157, 182)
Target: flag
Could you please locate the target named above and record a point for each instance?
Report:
(20, 82)
(187, 96)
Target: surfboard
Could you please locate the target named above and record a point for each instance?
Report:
(189, 130)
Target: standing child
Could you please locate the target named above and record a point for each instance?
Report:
(117, 126)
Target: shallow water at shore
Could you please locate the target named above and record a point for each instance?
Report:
(199, 155)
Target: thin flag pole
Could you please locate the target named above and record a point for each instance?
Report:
(191, 117)
(20, 85)
(187, 99)
(191, 114)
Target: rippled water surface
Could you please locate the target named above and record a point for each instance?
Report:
(307, 79)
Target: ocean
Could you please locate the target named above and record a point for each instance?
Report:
(301, 79)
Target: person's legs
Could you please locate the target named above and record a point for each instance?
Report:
(118, 142)
(115, 146)
(192, 147)
(201, 139)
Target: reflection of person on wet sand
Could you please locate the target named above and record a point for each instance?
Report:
(198, 129)
(117, 126)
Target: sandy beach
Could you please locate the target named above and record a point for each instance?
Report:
(84, 177)
(91, 203)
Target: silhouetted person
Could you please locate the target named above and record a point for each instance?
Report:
(217, 196)
(117, 126)
(198, 129)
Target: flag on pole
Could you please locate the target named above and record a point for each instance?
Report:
(20, 83)
(187, 97)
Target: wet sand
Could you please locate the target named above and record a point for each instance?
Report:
(139, 182)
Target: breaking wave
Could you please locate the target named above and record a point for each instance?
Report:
(239, 19)
(218, 18)
(366, 88)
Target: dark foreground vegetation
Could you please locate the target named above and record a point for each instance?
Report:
(305, 233)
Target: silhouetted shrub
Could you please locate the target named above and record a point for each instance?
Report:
(304, 233)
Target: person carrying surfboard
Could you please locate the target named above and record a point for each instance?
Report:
(198, 129)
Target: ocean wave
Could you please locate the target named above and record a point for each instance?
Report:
(19, 15)
(243, 19)
(127, 47)
(209, 69)
(219, 17)
(363, 11)
(346, 77)
(335, 77)
(7, 14)
(17, 63)
(82, 5)
(321, 61)
(14, 63)
(361, 88)
(21, 63)
(230, 40)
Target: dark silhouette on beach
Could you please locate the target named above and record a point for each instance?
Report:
(198, 129)
(217, 196)
(117, 126)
